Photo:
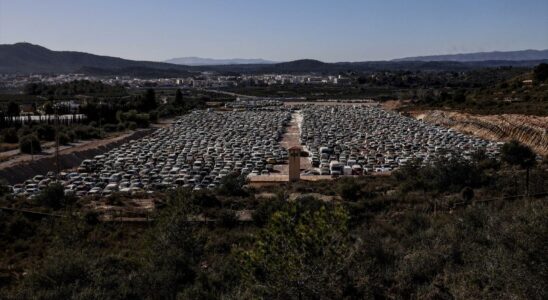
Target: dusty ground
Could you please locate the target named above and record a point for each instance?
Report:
(530, 130)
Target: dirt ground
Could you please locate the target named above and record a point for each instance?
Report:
(530, 130)
(292, 138)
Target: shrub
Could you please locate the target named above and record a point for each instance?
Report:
(153, 116)
(53, 196)
(142, 120)
(205, 199)
(30, 144)
(45, 132)
(131, 125)
(19, 227)
(4, 189)
(232, 185)
(110, 127)
(467, 194)
(10, 136)
(264, 210)
(349, 189)
(64, 139)
(91, 218)
(228, 218)
(84, 132)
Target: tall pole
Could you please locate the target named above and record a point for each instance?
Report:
(100, 111)
(31, 149)
(57, 140)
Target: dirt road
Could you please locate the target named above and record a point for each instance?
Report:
(292, 138)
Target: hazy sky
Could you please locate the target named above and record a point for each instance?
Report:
(334, 30)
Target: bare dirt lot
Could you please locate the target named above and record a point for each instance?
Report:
(530, 130)
(292, 138)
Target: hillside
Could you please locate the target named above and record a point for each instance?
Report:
(484, 56)
(200, 61)
(29, 58)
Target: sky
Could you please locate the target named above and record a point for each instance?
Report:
(280, 30)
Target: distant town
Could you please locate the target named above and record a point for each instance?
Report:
(203, 80)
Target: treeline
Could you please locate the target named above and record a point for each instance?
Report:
(496, 90)
(76, 87)
(103, 114)
(450, 79)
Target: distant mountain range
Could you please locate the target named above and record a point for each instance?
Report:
(28, 58)
(200, 61)
(483, 56)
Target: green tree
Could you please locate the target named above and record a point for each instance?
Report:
(467, 194)
(29, 144)
(349, 189)
(13, 109)
(541, 72)
(4, 189)
(302, 253)
(53, 196)
(149, 100)
(174, 249)
(233, 185)
(10, 135)
(179, 102)
(48, 108)
(459, 97)
(515, 153)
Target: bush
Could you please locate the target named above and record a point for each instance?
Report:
(349, 189)
(205, 199)
(131, 125)
(110, 127)
(64, 139)
(232, 185)
(141, 120)
(4, 189)
(30, 144)
(17, 227)
(10, 136)
(45, 132)
(228, 218)
(264, 211)
(84, 132)
(153, 116)
(53, 196)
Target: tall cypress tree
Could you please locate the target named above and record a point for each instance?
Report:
(179, 98)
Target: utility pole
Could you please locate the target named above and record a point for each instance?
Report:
(100, 111)
(31, 149)
(57, 139)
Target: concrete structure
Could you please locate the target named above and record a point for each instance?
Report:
(294, 163)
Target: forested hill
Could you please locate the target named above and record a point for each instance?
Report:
(29, 58)
(484, 56)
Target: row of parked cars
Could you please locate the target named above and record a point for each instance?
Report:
(358, 139)
(203, 147)
(196, 152)
(253, 103)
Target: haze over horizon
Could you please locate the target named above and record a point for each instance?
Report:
(280, 31)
